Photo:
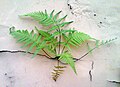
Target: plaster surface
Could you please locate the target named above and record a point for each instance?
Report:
(99, 18)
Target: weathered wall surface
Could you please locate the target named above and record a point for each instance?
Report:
(99, 18)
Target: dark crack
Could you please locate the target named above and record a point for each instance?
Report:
(92, 65)
(114, 82)
(90, 75)
(90, 71)
(19, 51)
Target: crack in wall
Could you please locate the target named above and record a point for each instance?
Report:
(90, 75)
(117, 82)
(92, 65)
(90, 71)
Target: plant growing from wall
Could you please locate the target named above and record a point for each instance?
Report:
(55, 42)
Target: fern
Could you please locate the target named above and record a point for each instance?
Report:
(77, 38)
(56, 42)
(38, 40)
(67, 57)
(49, 19)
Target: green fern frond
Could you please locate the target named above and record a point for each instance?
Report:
(57, 26)
(61, 19)
(67, 57)
(23, 36)
(35, 40)
(77, 38)
(56, 33)
(66, 45)
(45, 19)
(43, 33)
(56, 15)
(40, 47)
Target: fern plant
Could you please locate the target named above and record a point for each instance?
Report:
(55, 42)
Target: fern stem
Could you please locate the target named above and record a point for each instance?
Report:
(76, 59)
(59, 38)
(66, 43)
(59, 43)
(63, 49)
(46, 53)
(58, 63)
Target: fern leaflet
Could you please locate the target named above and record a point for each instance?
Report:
(45, 19)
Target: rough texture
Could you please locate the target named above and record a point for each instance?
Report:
(99, 18)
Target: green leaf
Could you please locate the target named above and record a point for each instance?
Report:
(61, 19)
(67, 57)
(39, 47)
(56, 15)
(41, 17)
(51, 14)
(66, 45)
(43, 33)
(77, 38)
(30, 38)
(58, 26)
(49, 19)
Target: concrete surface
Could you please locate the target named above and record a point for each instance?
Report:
(99, 18)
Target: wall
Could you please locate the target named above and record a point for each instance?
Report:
(99, 18)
